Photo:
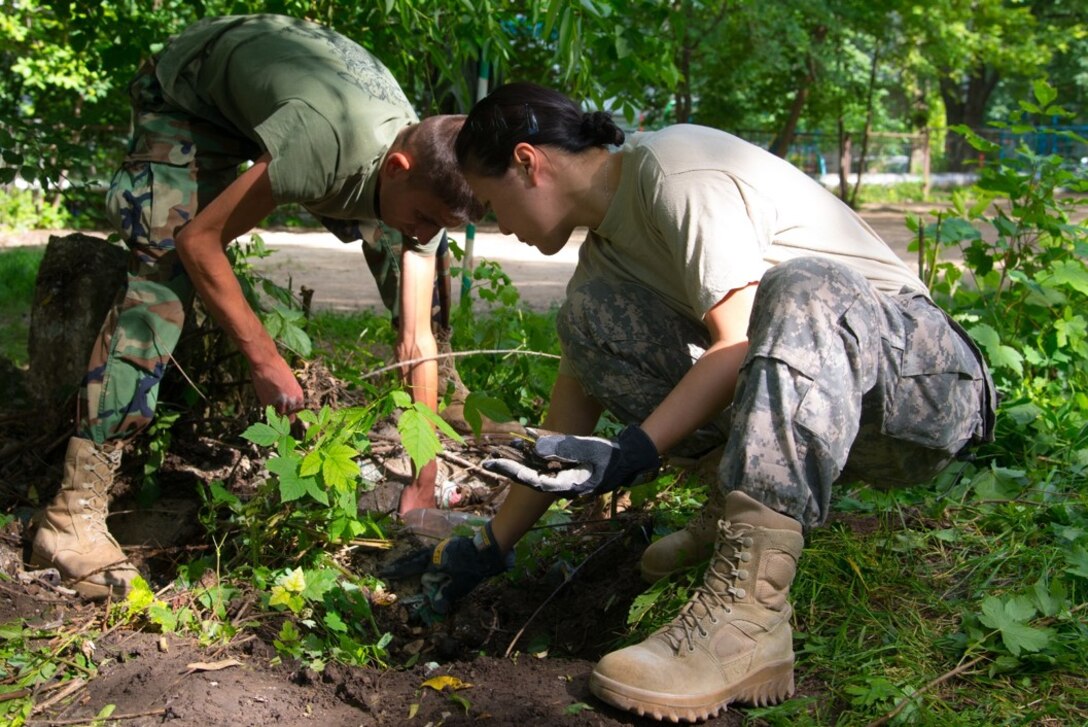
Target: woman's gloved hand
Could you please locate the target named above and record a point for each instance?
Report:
(569, 466)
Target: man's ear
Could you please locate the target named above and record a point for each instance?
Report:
(396, 164)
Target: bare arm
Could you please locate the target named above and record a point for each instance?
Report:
(571, 411)
(709, 386)
(415, 339)
(201, 246)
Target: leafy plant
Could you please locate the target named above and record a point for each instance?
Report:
(31, 657)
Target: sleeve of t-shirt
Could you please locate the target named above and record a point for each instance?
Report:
(717, 228)
(304, 149)
(426, 248)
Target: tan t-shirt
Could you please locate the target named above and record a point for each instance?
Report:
(325, 108)
(699, 213)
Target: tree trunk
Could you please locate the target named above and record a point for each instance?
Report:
(853, 201)
(780, 146)
(782, 141)
(845, 161)
(683, 90)
(966, 104)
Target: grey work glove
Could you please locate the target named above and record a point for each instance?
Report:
(571, 466)
(450, 570)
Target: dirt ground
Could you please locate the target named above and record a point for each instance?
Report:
(152, 679)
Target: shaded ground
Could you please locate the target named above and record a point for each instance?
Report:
(151, 679)
(577, 614)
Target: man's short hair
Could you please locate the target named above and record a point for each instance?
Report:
(429, 144)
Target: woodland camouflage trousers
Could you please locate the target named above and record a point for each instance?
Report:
(175, 165)
(840, 381)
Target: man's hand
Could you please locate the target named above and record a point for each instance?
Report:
(571, 466)
(451, 569)
(277, 386)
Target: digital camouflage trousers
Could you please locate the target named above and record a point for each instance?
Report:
(176, 164)
(840, 382)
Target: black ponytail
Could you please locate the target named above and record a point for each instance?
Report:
(525, 112)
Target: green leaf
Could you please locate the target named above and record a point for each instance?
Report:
(991, 486)
(1077, 562)
(1070, 272)
(311, 464)
(319, 582)
(333, 622)
(998, 354)
(261, 434)
(1049, 600)
(314, 490)
(295, 339)
(1010, 619)
(292, 485)
(338, 466)
(401, 399)
(161, 615)
(1044, 92)
(488, 406)
(418, 437)
(437, 422)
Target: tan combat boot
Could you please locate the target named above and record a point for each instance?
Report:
(732, 642)
(454, 413)
(72, 535)
(687, 547)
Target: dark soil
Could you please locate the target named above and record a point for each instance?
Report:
(525, 644)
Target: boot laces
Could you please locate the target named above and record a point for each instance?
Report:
(719, 589)
(93, 502)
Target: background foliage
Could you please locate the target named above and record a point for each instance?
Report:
(795, 72)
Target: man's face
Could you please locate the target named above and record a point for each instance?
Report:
(413, 210)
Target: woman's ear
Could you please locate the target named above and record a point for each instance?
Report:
(526, 160)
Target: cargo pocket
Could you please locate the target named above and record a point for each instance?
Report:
(936, 399)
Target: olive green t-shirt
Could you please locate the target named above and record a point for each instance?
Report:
(699, 213)
(324, 108)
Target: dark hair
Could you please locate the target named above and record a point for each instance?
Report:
(434, 166)
(525, 112)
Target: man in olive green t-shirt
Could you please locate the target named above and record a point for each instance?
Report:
(325, 125)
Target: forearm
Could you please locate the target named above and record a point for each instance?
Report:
(571, 411)
(415, 339)
(704, 391)
(209, 269)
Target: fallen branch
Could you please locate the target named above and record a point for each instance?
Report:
(936, 682)
(111, 718)
(457, 354)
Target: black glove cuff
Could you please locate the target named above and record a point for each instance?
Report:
(638, 449)
(484, 540)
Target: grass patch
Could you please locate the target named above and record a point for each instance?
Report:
(18, 270)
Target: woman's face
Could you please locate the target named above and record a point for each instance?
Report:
(525, 206)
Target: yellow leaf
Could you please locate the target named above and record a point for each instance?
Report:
(441, 682)
(295, 581)
(213, 666)
(413, 711)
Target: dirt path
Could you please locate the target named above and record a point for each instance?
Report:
(338, 275)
